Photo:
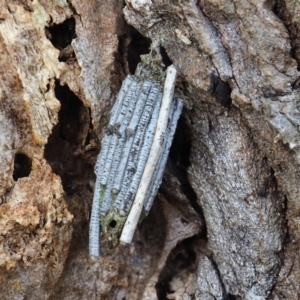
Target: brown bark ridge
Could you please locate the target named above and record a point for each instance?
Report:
(225, 224)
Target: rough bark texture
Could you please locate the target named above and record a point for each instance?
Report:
(225, 224)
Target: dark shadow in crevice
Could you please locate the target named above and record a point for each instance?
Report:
(220, 90)
(285, 224)
(296, 83)
(121, 59)
(22, 166)
(231, 297)
(61, 36)
(280, 10)
(150, 237)
(182, 261)
(68, 139)
(180, 155)
(216, 268)
(266, 184)
(165, 58)
(138, 45)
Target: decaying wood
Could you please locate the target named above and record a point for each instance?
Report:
(225, 223)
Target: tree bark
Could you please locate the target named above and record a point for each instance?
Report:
(225, 223)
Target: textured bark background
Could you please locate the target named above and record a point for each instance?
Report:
(226, 222)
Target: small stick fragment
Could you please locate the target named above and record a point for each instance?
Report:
(118, 104)
(126, 116)
(139, 108)
(128, 142)
(108, 197)
(122, 166)
(100, 163)
(159, 171)
(108, 161)
(120, 129)
(129, 96)
(99, 192)
(136, 146)
(156, 149)
(143, 155)
(94, 242)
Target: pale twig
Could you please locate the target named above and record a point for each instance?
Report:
(146, 125)
(136, 147)
(159, 171)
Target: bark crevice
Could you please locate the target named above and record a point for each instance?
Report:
(281, 10)
(68, 150)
